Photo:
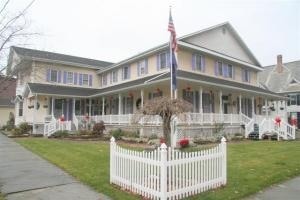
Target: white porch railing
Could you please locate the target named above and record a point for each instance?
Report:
(55, 125)
(249, 124)
(76, 122)
(167, 173)
(63, 125)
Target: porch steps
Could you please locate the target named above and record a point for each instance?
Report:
(254, 135)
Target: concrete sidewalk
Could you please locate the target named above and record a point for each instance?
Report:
(289, 190)
(24, 175)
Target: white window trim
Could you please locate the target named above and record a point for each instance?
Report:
(166, 57)
(52, 70)
(114, 79)
(140, 67)
(87, 80)
(72, 81)
(123, 73)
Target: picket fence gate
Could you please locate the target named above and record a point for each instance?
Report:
(167, 173)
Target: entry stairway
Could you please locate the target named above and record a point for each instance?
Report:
(257, 127)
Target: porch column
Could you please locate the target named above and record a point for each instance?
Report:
(240, 103)
(103, 105)
(90, 107)
(34, 115)
(120, 104)
(74, 102)
(52, 106)
(266, 108)
(221, 106)
(253, 107)
(200, 99)
(142, 98)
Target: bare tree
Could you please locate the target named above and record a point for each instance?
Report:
(13, 29)
(166, 108)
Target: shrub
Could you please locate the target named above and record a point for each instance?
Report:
(11, 121)
(16, 131)
(184, 142)
(99, 128)
(60, 134)
(84, 132)
(25, 128)
(134, 134)
(117, 134)
(153, 137)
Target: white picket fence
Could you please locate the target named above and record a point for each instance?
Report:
(167, 173)
(55, 125)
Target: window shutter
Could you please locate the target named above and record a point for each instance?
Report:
(59, 77)
(129, 73)
(80, 79)
(168, 60)
(216, 68)
(48, 74)
(65, 77)
(194, 61)
(203, 63)
(233, 72)
(75, 78)
(157, 62)
(90, 80)
(146, 66)
(138, 69)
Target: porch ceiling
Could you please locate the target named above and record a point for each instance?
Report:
(57, 90)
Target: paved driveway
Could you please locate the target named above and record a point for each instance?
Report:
(26, 176)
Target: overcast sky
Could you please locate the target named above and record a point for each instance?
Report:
(114, 30)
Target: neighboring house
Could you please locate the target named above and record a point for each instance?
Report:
(7, 95)
(217, 73)
(284, 79)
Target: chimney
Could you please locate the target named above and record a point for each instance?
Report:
(279, 66)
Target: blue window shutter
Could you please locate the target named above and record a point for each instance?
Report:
(146, 66)
(59, 77)
(233, 72)
(157, 62)
(80, 79)
(129, 73)
(75, 78)
(168, 60)
(65, 77)
(216, 68)
(194, 61)
(48, 74)
(203, 63)
(90, 80)
(138, 69)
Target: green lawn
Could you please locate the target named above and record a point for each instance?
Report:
(252, 166)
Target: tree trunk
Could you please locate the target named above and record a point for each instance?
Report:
(167, 131)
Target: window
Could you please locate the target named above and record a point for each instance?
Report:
(163, 57)
(70, 77)
(115, 76)
(126, 72)
(229, 71)
(220, 68)
(53, 75)
(20, 109)
(153, 95)
(246, 75)
(104, 79)
(85, 79)
(142, 67)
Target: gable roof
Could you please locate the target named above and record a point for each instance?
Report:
(61, 58)
(181, 42)
(280, 82)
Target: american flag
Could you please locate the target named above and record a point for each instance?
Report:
(171, 28)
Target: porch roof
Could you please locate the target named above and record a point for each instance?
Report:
(57, 90)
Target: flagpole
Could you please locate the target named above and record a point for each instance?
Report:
(171, 67)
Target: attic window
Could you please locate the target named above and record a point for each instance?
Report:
(223, 30)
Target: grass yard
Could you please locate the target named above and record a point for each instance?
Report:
(252, 166)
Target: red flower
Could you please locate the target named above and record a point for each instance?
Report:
(184, 142)
(277, 120)
(162, 140)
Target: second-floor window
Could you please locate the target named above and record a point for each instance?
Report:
(163, 60)
(126, 72)
(142, 67)
(115, 76)
(104, 79)
(198, 62)
(294, 99)
(223, 69)
(85, 79)
(70, 77)
(229, 71)
(220, 68)
(245, 75)
(53, 75)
